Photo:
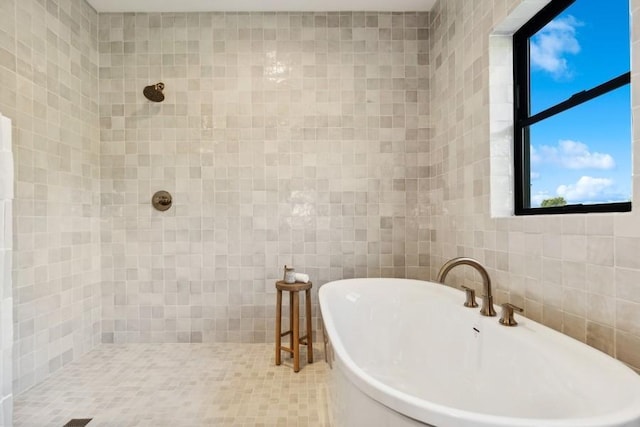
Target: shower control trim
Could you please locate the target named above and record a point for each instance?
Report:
(162, 200)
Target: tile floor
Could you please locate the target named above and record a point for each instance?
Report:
(180, 385)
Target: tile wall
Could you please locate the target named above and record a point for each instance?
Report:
(6, 290)
(285, 138)
(49, 74)
(7, 110)
(576, 273)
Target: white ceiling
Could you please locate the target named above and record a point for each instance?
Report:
(260, 5)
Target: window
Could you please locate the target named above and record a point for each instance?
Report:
(572, 109)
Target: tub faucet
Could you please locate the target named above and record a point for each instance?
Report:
(487, 298)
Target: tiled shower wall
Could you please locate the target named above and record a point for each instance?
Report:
(49, 75)
(579, 274)
(6, 290)
(285, 138)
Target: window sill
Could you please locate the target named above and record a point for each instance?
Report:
(576, 209)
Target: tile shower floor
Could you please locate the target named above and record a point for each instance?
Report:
(179, 385)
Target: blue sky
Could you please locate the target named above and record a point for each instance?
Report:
(583, 154)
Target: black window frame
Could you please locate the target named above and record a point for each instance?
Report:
(523, 118)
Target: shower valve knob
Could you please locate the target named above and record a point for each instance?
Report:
(162, 200)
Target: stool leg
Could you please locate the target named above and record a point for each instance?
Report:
(296, 333)
(278, 326)
(307, 300)
(291, 322)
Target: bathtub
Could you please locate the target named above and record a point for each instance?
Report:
(407, 353)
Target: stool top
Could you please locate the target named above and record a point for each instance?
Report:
(292, 287)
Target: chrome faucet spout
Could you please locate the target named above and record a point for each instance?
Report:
(487, 297)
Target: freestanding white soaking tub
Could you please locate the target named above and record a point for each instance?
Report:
(406, 353)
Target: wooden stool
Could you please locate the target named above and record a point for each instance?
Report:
(294, 322)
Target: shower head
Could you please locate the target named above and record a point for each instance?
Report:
(154, 92)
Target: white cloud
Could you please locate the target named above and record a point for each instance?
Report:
(535, 156)
(572, 155)
(591, 190)
(534, 175)
(549, 47)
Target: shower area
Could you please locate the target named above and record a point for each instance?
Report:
(282, 138)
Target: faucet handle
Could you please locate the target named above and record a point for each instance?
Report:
(506, 317)
(487, 306)
(471, 297)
